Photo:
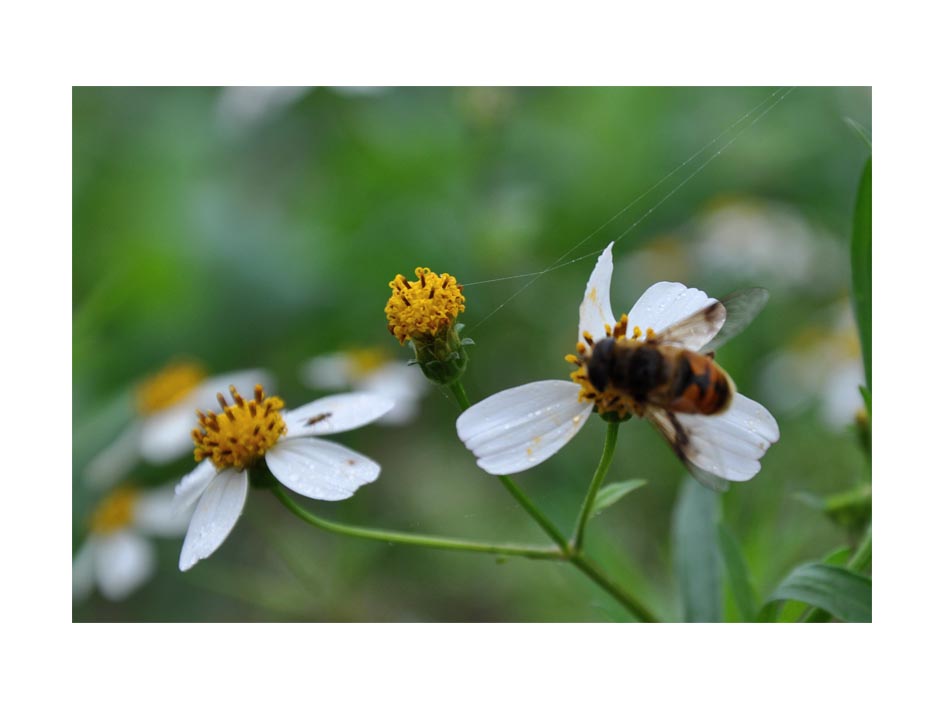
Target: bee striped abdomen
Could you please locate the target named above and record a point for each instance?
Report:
(699, 385)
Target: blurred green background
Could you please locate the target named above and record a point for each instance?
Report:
(260, 228)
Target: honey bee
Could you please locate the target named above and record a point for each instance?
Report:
(664, 378)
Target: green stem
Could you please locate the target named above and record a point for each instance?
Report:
(571, 554)
(533, 510)
(514, 490)
(606, 457)
(421, 540)
(592, 571)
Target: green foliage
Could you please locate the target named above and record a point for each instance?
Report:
(862, 260)
(737, 574)
(696, 555)
(265, 243)
(609, 494)
(840, 592)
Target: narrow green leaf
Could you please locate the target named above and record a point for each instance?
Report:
(609, 494)
(696, 557)
(737, 572)
(862, 260)
(861, 131)
(838, 557)
(841, 592)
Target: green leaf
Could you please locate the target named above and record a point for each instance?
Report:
(737, 571)
(696, 557)
(861, 131)
(861, 252)
(841, 592)
(838, 557)
(851, 509)
(609, 494)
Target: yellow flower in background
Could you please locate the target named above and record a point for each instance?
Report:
(163, 418)
(372, 371)
(117, 558)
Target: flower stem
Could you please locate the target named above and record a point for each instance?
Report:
(422, 540)
(594, 572)
(606, 457)
(569, 553)
(514, 490)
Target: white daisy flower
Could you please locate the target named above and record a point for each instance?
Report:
(768, 241)
(160, 431)
(116, 557)
(521, 427)
(228, 444)
(371, 371)
(821, 367)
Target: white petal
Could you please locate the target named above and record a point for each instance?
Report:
(215, 516)
(331, 371)
(664, 304)
(123, 561)
(109, 466)
(730, 445)
(83, 570)
(400, 382)
(595, 309)
(192, 485)
(519, 428)
(165, 435)
(320, 469)
(245, 381)
(334, 414)
(159, 512)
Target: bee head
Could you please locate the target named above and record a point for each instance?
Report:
(601, 363)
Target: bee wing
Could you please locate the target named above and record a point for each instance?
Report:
(708, 329)
(741, 307)
(684, 447)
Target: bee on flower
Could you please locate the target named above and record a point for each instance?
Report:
(656, 362)
(116, 556)
(372, 371)
(160, 429)
(248, 434)
(423, 312)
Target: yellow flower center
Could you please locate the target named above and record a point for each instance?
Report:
(114, 512)
(242, 433)
(168, 386)
(611, 400)
(422, 309)
(362, 362)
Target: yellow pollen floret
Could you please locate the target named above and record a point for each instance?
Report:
(114, 512)
(423, 308)
(168, 386)
(242, 433)
(362, 362)
(637, 333)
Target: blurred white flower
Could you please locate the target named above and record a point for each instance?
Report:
(767, 242)
(242, 108)
(160, 431)
(245, 433)
(519, 428)
(371, 371)
(821, 367)
(116, 557)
